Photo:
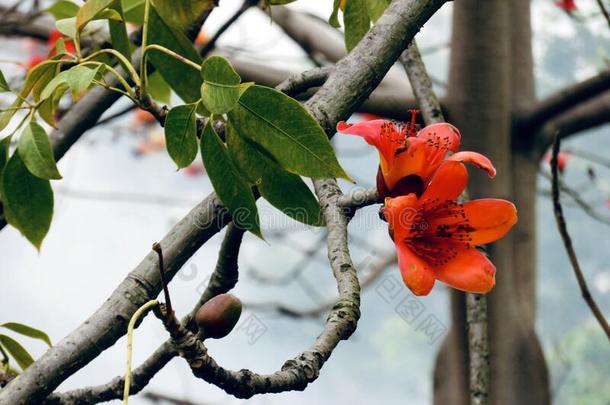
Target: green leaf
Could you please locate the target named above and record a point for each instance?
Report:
(35, 151)
(28, 201)
(220, 90)
(285, 191)
(184, 80)
(118, 31)
(133, 10)
(108, 14)
(89, 11)
(334, 17)
(235, 193)
(357, 22)
(77, 79)
(35, 81)
(376, 8)
(27, 331)
(5, 144)
(181, 14)
(67, 26)
(18, 352)
(3, 84)
(181, 134)
(158, 88)
(284, 128)
(63, 9)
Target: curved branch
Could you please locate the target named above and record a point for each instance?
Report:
(587, 115)
(567, 241)
(297, 373)
(565, 99)
(222, 280)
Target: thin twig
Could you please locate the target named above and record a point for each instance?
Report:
(168, 302)
(209, 46)
(604, 11)
(567, 242)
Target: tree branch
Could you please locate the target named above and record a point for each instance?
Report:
(564, 99)
(567, 241)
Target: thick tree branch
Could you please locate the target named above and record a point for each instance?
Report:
(587, 115)
(563, 100)
(567, 241)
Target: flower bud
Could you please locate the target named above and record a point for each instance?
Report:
(217, 317)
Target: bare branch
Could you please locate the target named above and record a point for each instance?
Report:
(587, 115)
(222, 280)
(564, 99)
(567, 241)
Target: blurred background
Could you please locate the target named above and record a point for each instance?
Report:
(121, 192)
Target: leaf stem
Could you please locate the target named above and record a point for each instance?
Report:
(126, 63)
(143, 310)
(143, 75)
(172, 54)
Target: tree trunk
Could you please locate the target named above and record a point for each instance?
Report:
(491, 76)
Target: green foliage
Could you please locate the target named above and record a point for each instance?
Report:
(357, 22)
(3, 84)
(77, 79)
(118, 30)
(181, 14)
(18, 352)
(281, 126)
(10, 346)
(184, 80)
(358, 16)
(181, 134)
(35, 151)
(231, 188)
(28, 331)
(221, 85)
(285, 191)
(89, 11)
(4, 149)
(158, 88)
(27, 199)
(63, 9)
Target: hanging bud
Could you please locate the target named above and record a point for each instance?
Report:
(217, 317)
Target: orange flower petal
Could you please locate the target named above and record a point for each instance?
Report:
(470, 271)
(382, 134)
(442, 135)
(473, 223)
(491, 218)
(476, 159)
(400, 212)
(447, 183)
(416, 273)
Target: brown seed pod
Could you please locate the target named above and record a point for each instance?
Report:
(217, 317)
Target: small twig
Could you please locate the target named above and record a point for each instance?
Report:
(168, 303)
(604, 11)
(212, 42)
(567, 241)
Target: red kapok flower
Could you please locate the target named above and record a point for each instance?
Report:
(566, 5)
(562, 160)
(436, 237)
(56, 36)
(408, 158)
